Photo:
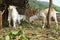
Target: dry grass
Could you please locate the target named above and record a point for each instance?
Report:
(33, 31)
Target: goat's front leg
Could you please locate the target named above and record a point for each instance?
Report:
(9, 21)
(14, 23)
(43, 22)
(24, 18)
(55, 18)
(19, 20)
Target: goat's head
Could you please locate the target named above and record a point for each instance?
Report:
(11, 7)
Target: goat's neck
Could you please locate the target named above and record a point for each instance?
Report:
(15, 10)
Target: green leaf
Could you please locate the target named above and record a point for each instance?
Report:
(23, 38)
(20, 32)
(7, 37)
(14, 32)
(0, 37)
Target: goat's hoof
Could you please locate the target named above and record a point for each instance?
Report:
(14, 27)
(10, 26)
(42, 27)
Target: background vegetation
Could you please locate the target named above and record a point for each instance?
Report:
(41, 5)
(32, 31)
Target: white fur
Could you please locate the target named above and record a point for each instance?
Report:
(13, 14)
(32, 18)
(43, 15)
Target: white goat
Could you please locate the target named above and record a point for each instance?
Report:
(43, 14)
(13, 14)
(32, 18)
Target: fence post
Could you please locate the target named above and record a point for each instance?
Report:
(0, 21)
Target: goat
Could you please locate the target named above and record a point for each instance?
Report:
(43, 14)
(13, 14)
(32, 18)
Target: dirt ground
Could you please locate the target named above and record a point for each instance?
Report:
(34, 31)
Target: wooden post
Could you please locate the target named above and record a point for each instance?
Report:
(48, 15)
(1, 13)
(0, 20)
